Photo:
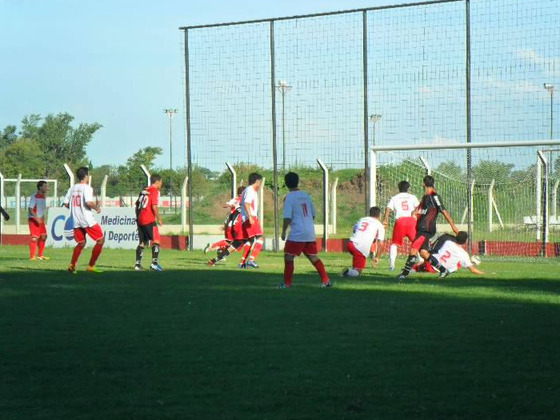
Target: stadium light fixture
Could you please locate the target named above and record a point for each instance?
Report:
(374, 118)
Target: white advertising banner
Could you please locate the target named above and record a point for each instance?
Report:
(118, 224)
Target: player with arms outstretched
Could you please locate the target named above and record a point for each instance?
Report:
(36, 217)
(368, 232)
(427, 213)
(148, 219)
(299, 216)
(81, 203)
(403, 205)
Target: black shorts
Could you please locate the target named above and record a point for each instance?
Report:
(422, 241)
(147, 233)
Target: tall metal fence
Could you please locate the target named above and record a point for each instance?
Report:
(277, 94)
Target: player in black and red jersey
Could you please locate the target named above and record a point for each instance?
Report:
(148, 218)
(426, 213)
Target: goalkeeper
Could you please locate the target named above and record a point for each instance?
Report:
(427, 212)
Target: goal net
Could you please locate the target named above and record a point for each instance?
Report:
(503, 194)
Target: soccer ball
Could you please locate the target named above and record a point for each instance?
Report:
(475, 260)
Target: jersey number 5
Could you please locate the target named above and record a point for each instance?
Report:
(404, 205)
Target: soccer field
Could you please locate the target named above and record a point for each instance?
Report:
(205, 343)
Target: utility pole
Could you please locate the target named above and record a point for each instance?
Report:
(283, 88)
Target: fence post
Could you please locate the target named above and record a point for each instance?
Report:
(555, 199)
(261, 203)
(276, 241)
(184, 204)
(1, 204)
(538, 203)
(490, 205)
(146, 172)
(18, 203)
(426, 165)
(333, 206)
(55, 196)
(544, 201)
(70, 175)
(104, 190)
(325, 203)
(373, 177)
(233, 180)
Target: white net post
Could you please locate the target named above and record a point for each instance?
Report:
(18, 203)
(325, 204)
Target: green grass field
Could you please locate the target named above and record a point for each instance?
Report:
(199, 343)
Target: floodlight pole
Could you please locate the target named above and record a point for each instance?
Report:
(171, 112)
(283, 87)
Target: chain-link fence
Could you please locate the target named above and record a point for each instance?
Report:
(277, 94)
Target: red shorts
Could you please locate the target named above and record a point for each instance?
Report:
(422, 241)
(296, 248)
(358, 259)
(95, 232)
(250, 231)
(37, 229)
(404, 227)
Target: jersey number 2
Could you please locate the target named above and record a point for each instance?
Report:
(445, 256)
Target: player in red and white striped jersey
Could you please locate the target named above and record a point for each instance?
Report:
(81, 203)
(368, 233)
(36, 218)
(252, 230)
(403, 205)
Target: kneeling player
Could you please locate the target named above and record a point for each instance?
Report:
(299, 215)
(148, 218)
(368, 232)
(447, 255)
(229, 224)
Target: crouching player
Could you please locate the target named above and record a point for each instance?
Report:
(148, 218)
(447, 255)
(299, 215)
(37, 228)
(234, 205)
(368, 233)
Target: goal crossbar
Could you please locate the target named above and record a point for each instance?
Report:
(444, 146)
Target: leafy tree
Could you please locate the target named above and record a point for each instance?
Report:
(451, 169)
(131, 175)
(489, 170)
(8, 136)
(23, 156)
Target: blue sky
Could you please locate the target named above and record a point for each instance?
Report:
(120, 63)
(116, 62)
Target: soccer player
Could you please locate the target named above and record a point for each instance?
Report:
(447, 256)
(299, 215)
(368, 233)
(230, 223)
(428, 211)
(80, 201)
(148, 218)
(403, 205)
(252, 230)
(36, 220)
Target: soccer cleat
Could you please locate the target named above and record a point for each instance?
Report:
(33, 259)
(207, 248)
(401, 277)
(138, 267)
(443, 274)
(326, 285)
(252, 264)
(284, 286)
(391, 268)
(211, 263)
(242, 266)
(72, 269)
(94, 270)
(344, 273)
(156, 267)
(43, 258)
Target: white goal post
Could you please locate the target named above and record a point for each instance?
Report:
(500, 192)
